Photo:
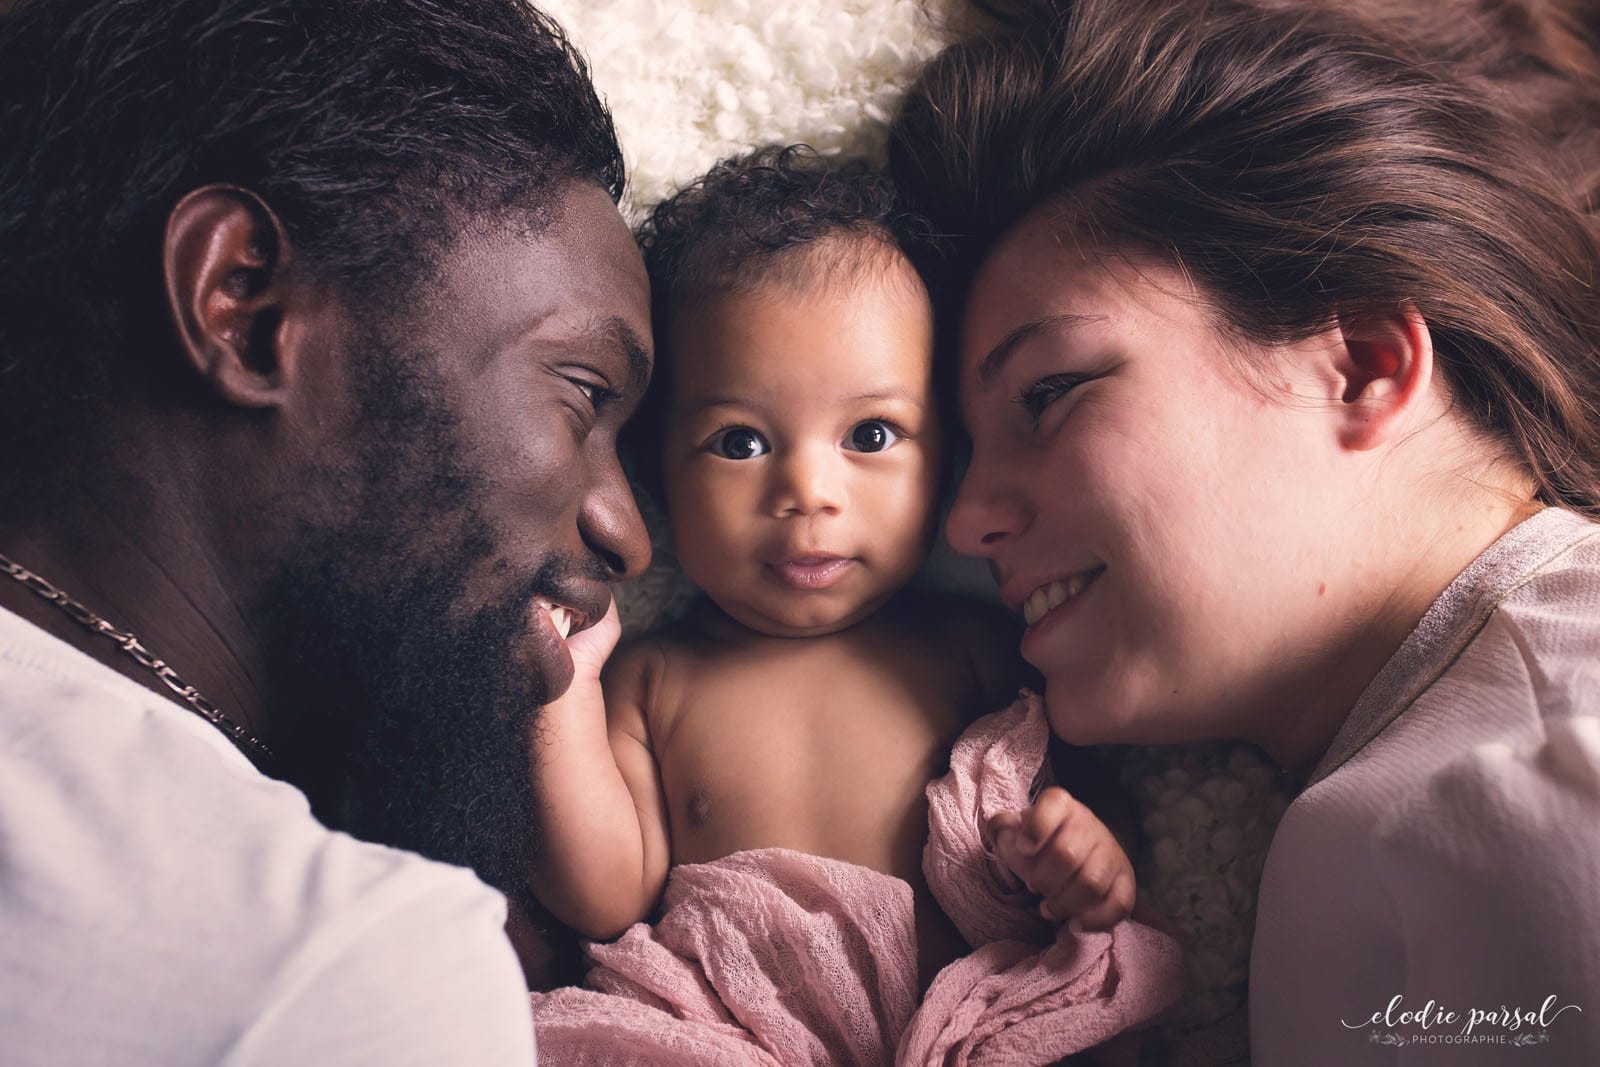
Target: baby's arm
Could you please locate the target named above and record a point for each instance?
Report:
(604, 848)
(1065, 853)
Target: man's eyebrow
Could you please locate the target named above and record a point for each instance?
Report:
(621, 334)
(995, 361)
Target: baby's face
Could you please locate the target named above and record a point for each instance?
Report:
(802, 448)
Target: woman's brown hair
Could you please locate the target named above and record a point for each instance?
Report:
(1304, 166)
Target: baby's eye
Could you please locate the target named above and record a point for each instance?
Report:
(739, 442)
(874, 435)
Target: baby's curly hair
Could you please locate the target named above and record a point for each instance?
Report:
(759, 219)
(729, 230)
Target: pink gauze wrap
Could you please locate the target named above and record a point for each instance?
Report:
(775, 957)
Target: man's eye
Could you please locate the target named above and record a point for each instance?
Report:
(739, 442)
(874, 435)
(597, 395)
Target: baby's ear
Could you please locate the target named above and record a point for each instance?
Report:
(1383, 375)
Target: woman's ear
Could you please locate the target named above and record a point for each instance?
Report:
(224, 257)
(1384, 373)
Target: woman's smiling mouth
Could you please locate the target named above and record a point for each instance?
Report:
(1052, 595)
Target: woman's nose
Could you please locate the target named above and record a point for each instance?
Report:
(806, 481)
(986, 512)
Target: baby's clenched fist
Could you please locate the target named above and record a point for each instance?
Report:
(1065, 854)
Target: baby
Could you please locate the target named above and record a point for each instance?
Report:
(810, 697)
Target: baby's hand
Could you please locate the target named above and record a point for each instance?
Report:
(589, 649)
(592, 647)
(1066, 855)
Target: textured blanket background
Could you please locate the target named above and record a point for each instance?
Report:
(692, 81)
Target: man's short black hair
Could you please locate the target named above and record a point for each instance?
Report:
(374, 129)
(767, 216)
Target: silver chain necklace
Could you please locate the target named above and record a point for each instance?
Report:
(252, 746)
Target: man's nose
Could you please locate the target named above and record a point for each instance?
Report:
(612, 526)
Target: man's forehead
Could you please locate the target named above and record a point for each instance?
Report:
(580, 263)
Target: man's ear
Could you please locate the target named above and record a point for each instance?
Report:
(224, 256)
(1384, 370)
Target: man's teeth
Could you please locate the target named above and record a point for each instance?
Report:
(560, 616)
(1054, 594)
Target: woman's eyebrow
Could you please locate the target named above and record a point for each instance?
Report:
(995, 361)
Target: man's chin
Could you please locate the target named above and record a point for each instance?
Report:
(407, 734)
(460, 796)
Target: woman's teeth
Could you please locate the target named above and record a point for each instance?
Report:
(559, 616)
(1051, 595)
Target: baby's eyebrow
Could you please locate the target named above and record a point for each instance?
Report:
(888, 394)
(720, 400)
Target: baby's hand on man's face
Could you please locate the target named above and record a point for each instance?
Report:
(1066, 855)
(591, 648)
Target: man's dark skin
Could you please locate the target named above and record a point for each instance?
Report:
(536, 349)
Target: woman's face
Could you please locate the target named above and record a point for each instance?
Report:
(1159, 514)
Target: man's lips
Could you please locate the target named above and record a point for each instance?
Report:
(811, 570)
(551, 622)
(567, 621)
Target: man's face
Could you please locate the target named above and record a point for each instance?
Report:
(479, 484)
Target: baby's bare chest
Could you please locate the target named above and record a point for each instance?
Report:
(827, 754)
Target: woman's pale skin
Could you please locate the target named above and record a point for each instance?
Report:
(1236, 537)
(810, 700)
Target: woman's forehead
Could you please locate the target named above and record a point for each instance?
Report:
(1033, 285)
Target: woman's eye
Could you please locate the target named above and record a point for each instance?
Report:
(1046, 391)
(873, 435)
(739, 442)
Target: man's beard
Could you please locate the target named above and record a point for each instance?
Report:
(404, 718)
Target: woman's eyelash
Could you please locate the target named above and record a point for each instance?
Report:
(1042, 393)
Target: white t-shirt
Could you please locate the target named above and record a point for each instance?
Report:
(164, 903)
(1447, 849)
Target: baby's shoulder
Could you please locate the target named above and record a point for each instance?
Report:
(960, 621)
(644, 660)
(637, 664)
(978, 634)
